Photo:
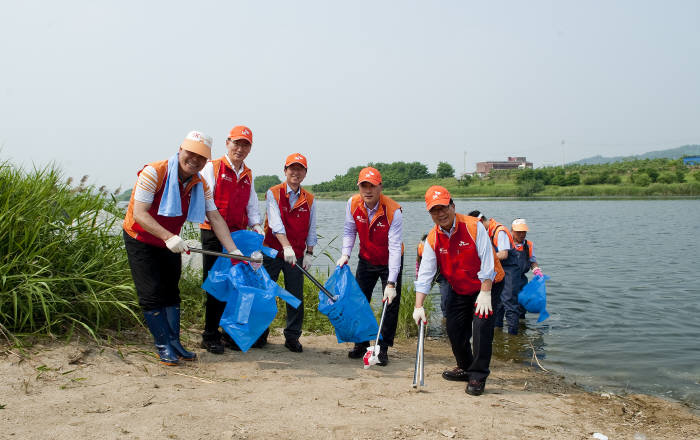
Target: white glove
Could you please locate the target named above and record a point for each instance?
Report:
(389, 293)
(419, 315)
(483, 304)
(237, 252)
(342, 261)
(257, 228)
(289, 255)
(306, 264)
(176, 244)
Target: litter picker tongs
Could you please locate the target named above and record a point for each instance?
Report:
(233, 257)
(418, 372)
(330, 296)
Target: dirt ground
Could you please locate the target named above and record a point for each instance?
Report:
(82, 390)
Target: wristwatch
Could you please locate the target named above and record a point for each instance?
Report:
(309, 252)
(391, 283)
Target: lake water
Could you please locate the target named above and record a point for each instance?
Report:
(624, 296)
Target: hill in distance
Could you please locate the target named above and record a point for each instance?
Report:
(671, 153)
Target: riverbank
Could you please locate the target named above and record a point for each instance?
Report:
(81, 390)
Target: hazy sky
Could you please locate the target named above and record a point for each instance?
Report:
(105, 87)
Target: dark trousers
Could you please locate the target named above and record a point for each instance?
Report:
(213, 308)
(444, 291)
(462, 325)
(367, 275)
(294, 284)
(156, 274)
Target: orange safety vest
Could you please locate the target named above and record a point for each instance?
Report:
(231, 194)
(172, 224)
(374, 236)
(458, 258)
(296, 220)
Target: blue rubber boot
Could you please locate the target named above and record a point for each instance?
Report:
(172, 314)
(158, 325)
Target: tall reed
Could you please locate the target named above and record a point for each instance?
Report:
(62, 262)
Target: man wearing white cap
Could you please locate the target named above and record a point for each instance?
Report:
(520, 259)
(166, 194)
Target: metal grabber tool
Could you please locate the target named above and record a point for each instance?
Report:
(372, 356)
(418, 372)
(255, 261)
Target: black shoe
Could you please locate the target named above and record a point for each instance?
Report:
(383, 356)
(456, 374)
(230, 343)
(358, 350)
(476, 387)
(262, 340)
(293, 345)
(213, 346)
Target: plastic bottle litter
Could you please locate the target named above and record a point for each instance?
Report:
(600, 436)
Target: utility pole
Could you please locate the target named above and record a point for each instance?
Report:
(464, 172)
(563, 153)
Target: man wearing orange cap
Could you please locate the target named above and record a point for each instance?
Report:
(290, 228)
(519, 260)
(231, 182)
(458, 245)
(166, 194)
(378, 221)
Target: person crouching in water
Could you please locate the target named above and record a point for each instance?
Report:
(459, 246)
(290, 228)
(166, 194)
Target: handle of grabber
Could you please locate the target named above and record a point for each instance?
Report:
(319, 285)
(231, 256)
(421, 342)
(415, 368)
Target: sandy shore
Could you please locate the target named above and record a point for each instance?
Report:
(82, 390)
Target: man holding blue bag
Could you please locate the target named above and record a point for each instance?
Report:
(166, 194)
(378, 221)
(231, 183)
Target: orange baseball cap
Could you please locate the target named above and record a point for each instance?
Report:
(370, 175)
(198, 142)
(296, 158)
(241, 132)
(519, 225)
(436, 195)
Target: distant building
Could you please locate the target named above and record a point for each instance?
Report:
(483, 168)
(691, 160)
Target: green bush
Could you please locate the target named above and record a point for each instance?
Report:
(666, 177)
(62, 259)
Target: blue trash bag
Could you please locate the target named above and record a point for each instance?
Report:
(534, 297)
(351, 314)
(217, 279)
(249, 294)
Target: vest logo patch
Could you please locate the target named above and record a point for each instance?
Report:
(302, 209)
(226, 178)
(360, 219)
(463, 243)
(245, 180)
(379, 224)
(442, 250)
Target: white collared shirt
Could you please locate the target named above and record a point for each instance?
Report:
(252, 208)
(274, 217)
(395, 236)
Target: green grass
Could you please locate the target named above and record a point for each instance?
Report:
(61, 266)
